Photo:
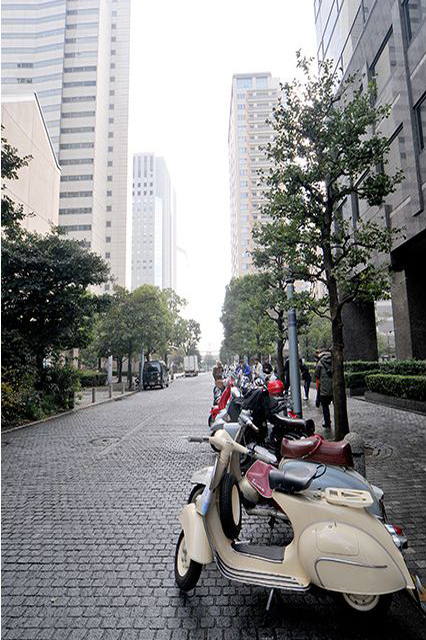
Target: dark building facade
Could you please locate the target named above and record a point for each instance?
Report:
(386, 40)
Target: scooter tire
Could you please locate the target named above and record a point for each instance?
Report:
(230, 509)
(187, 573)
(364, 607)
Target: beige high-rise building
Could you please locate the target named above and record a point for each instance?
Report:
(252, 99)
(37, 186)
(75, 55)
(154, 223)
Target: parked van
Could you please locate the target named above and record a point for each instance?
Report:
(155, 374)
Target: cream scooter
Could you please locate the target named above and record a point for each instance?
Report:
(337, 545)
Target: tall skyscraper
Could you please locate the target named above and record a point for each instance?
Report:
(252, 99)
(154, 223)
(386, 40)
(74, 54)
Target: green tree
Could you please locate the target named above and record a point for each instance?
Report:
(247, 326)
(191, 337)
(46, 307)
(269, 257)
(11, 162)
(327, 149)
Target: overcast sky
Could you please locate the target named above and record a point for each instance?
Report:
(183, 56)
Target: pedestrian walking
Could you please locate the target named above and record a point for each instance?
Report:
(324, 383)
(306, 377)
(218, 371)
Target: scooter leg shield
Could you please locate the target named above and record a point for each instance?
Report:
(201, 476)
(196, 540)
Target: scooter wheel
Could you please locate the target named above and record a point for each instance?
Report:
(230, 506)
(365, 606)
(187, 571)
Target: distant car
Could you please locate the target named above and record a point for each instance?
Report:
(155, 374)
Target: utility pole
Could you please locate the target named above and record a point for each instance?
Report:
(141, 368)
(296, 398)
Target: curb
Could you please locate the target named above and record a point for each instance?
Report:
(70, 412)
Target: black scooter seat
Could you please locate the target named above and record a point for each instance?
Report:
(295, 424)
(293, 480)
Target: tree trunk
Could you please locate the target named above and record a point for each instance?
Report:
(341, 421)
(120, 368)
(99, 364)
(129, 371)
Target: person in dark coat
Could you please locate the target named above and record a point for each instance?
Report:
(324, 382)
(306, 377)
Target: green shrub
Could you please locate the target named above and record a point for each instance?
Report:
(404, 367)
(355, 366)
(26, 397)
(410, 387)
(92, 378)
(356, 379)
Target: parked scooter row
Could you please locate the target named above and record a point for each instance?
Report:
(338, 545)
(342, 541)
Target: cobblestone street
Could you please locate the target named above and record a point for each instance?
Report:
(90, 506)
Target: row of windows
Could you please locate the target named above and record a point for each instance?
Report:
(83, 25)
(78, 114)
(80, 69)
(31, 65)
(30, 35)
(79, 99)
(81, 12)
(17, 6)
(33, 50)
(76, 227)
(81, 54)
(75, 210)
(81, 39)
(76, 194)
(49, 78)
(76, 178)
(83, 83)
(76, 145)
(38, 20)
(77, 161)
(78, 130)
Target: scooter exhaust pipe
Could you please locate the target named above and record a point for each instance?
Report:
(267, 513)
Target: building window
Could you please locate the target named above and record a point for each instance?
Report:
(73, 178)
(107, 255)
(76, 227)
(108, 239)
(110, 149)
(109, 193)
(108, 223)
(109, 208)
(414, 14)
(244, 83)
(76, 194)
(420, 111)
(381, 68)
(75, 210)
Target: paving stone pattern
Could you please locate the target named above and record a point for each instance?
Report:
(90, 506)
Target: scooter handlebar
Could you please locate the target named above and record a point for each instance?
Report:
(248, 423)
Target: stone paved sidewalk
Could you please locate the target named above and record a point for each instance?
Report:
(90, 505)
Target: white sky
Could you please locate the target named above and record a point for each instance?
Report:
(183, 55)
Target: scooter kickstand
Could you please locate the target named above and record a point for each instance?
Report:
(271, 523)
(268, 604)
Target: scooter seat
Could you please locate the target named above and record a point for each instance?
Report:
(295, 424)
(316, 449)
(293, 480)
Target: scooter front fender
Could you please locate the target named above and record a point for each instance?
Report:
(343, 558)
(201, 476)
(196, 540)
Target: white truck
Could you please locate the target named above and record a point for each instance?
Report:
(190, 366)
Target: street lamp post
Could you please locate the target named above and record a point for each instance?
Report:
(296, 396)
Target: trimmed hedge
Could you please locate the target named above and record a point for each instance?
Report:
(356, 379)
(404, 367)
(410, 387)
(92, 378)
(357, 366)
